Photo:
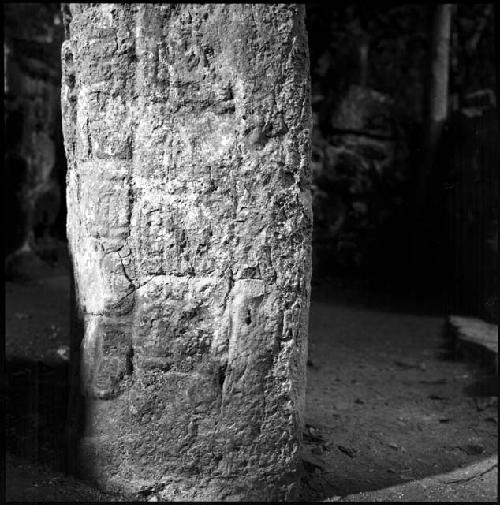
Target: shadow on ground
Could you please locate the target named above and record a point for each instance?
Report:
(37, 396)
(388, 400)
(383, 405)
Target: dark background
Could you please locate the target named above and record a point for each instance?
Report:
(369, 67)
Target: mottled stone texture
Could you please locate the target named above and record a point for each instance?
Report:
(187, 133)
(33, 154)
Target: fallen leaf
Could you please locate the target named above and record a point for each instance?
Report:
(311, 434)
(472, 449)
(310, 428)
(347, 450)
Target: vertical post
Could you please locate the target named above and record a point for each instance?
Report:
(437, 106)
(187, 134)
(435, 115)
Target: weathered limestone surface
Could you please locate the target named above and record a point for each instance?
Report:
(187, 133)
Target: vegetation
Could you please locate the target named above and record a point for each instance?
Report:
(374, 60)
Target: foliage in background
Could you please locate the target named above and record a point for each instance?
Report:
(473, 53)
(371, 60)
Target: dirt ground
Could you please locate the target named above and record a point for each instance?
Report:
(386, 404)
(386, 401)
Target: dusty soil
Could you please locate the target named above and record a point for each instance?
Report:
(385, 403)
(387, 400)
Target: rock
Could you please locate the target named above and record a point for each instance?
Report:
(187, 131)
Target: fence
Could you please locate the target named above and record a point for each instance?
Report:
(471, 202)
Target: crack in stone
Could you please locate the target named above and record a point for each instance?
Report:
(223, 377)
(125, 272)
(230, 284)
(224, 290)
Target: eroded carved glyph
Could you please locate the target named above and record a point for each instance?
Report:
(189, 220)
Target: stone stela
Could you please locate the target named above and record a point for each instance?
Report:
(187, 134)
